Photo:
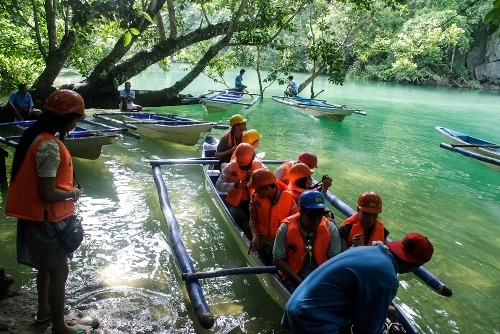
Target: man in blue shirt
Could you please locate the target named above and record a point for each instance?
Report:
(127, 97)
(22, 105)
(238, 84)
(292, 89)
(354, 288)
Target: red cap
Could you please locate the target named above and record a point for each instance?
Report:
(413, 248)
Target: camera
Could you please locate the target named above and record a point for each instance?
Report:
(326, 177)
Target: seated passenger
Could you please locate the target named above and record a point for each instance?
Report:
(300, 180)
(270, 203)
(234, 178)
(230, 140)
(309, 158)
(251, 137)
(22, 105)
(127, 97)
(292, 89)
(305, 240)
(364, 227)
(238, 81)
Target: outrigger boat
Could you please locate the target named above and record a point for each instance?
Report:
(81, 143)
(268, 274)
(166, 127)
(225, 99)
(319, 108)
(484, 152)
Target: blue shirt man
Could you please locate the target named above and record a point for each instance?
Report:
(354, 288)
(22, 105)
(238, 84)
(292, 89)
(127, 97)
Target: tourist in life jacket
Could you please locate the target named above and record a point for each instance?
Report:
(251, 137)
(234, 178)
(271, 202)
(364, 227)
(230, 140)
(305, 240)
(42, 195)
(300, 180)
(308, 158)
(353, 292)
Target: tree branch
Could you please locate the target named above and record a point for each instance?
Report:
(171, 19)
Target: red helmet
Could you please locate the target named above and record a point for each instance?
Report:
(370, 201)
(299, 170)
(260, 177)
(65, 101)
(244, 154)
(309, 158)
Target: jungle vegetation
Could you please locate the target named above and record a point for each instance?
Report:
(110, 41)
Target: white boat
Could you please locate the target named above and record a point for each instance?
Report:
(171, 128)
(318, 108)
(226, 99)
(483, 151)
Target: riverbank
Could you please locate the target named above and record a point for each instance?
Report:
(17, 312)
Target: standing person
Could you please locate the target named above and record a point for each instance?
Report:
(292, 89)
(364, 227)
(230, 140)
(42, 195)
(270, 203)
(127, 97)
(301, 180)
(238, 81)
(309, 158)
(234, 179)
(355, 288)
(22, 105)
(305, 240)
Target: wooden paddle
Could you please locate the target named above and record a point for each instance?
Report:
(475, 145)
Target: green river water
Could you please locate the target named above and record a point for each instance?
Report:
(126, 274)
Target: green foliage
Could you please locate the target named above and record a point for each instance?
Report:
(493, 18)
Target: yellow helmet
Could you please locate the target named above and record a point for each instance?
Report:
(236, 119)
(251, 136)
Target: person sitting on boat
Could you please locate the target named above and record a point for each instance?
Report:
(234, 178)
(301, 180)
(353, 292)
(238, 81)
(230, 140)
(292, 89)
(270, 203)
(21, 104)
(251, 137)
(309, 158)
(364, 227)
(127, 97)
(305, 240)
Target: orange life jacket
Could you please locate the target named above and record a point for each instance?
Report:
(234, 196)
(378, 232)
(296, 253)
(286, 168)
(269, 217)
(23, 198)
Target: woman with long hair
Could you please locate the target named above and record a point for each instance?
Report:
(42, 195)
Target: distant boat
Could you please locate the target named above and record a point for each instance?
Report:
(166, 127)
(484, 152)
(81, 143)
(319, 108)
(226, 99)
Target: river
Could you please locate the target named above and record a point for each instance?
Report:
(125, 272)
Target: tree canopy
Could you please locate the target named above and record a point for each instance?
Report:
(110, 41)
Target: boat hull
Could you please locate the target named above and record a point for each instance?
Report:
(222, 101)
(459, 138)
(88, 147)
(180, 133)
(316, 108)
